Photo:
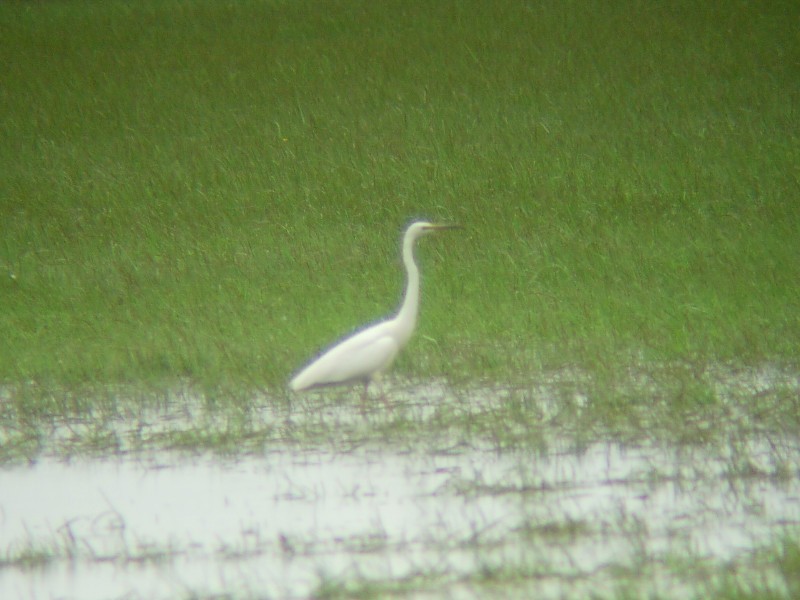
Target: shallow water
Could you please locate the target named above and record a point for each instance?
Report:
(564, 520)
(277, 524)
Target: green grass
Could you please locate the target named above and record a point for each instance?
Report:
(214, 191)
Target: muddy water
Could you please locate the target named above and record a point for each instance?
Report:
(279, 524)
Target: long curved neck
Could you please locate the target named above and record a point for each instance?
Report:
(408, 310)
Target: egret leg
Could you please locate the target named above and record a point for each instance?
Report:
(383, 396)
(365, 397)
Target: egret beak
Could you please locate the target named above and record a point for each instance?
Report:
(442, 226)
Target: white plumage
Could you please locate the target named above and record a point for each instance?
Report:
(368, 353)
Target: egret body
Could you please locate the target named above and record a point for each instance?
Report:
(365, 355)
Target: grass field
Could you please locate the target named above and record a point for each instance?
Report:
(214, 191)
(201, 194)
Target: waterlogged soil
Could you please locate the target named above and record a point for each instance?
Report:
(425, 497)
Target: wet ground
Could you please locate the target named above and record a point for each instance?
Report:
(360, 514)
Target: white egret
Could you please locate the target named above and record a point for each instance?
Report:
(365, 355)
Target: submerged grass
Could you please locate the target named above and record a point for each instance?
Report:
(216, 203)
(720, 408)
(784, 553)
(537, 464)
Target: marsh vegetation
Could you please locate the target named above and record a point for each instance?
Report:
(602, 394)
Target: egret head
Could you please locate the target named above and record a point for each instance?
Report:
(420, 228)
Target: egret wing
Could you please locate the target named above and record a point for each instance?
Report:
(356, 358)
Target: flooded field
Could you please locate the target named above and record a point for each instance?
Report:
(443, 495)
